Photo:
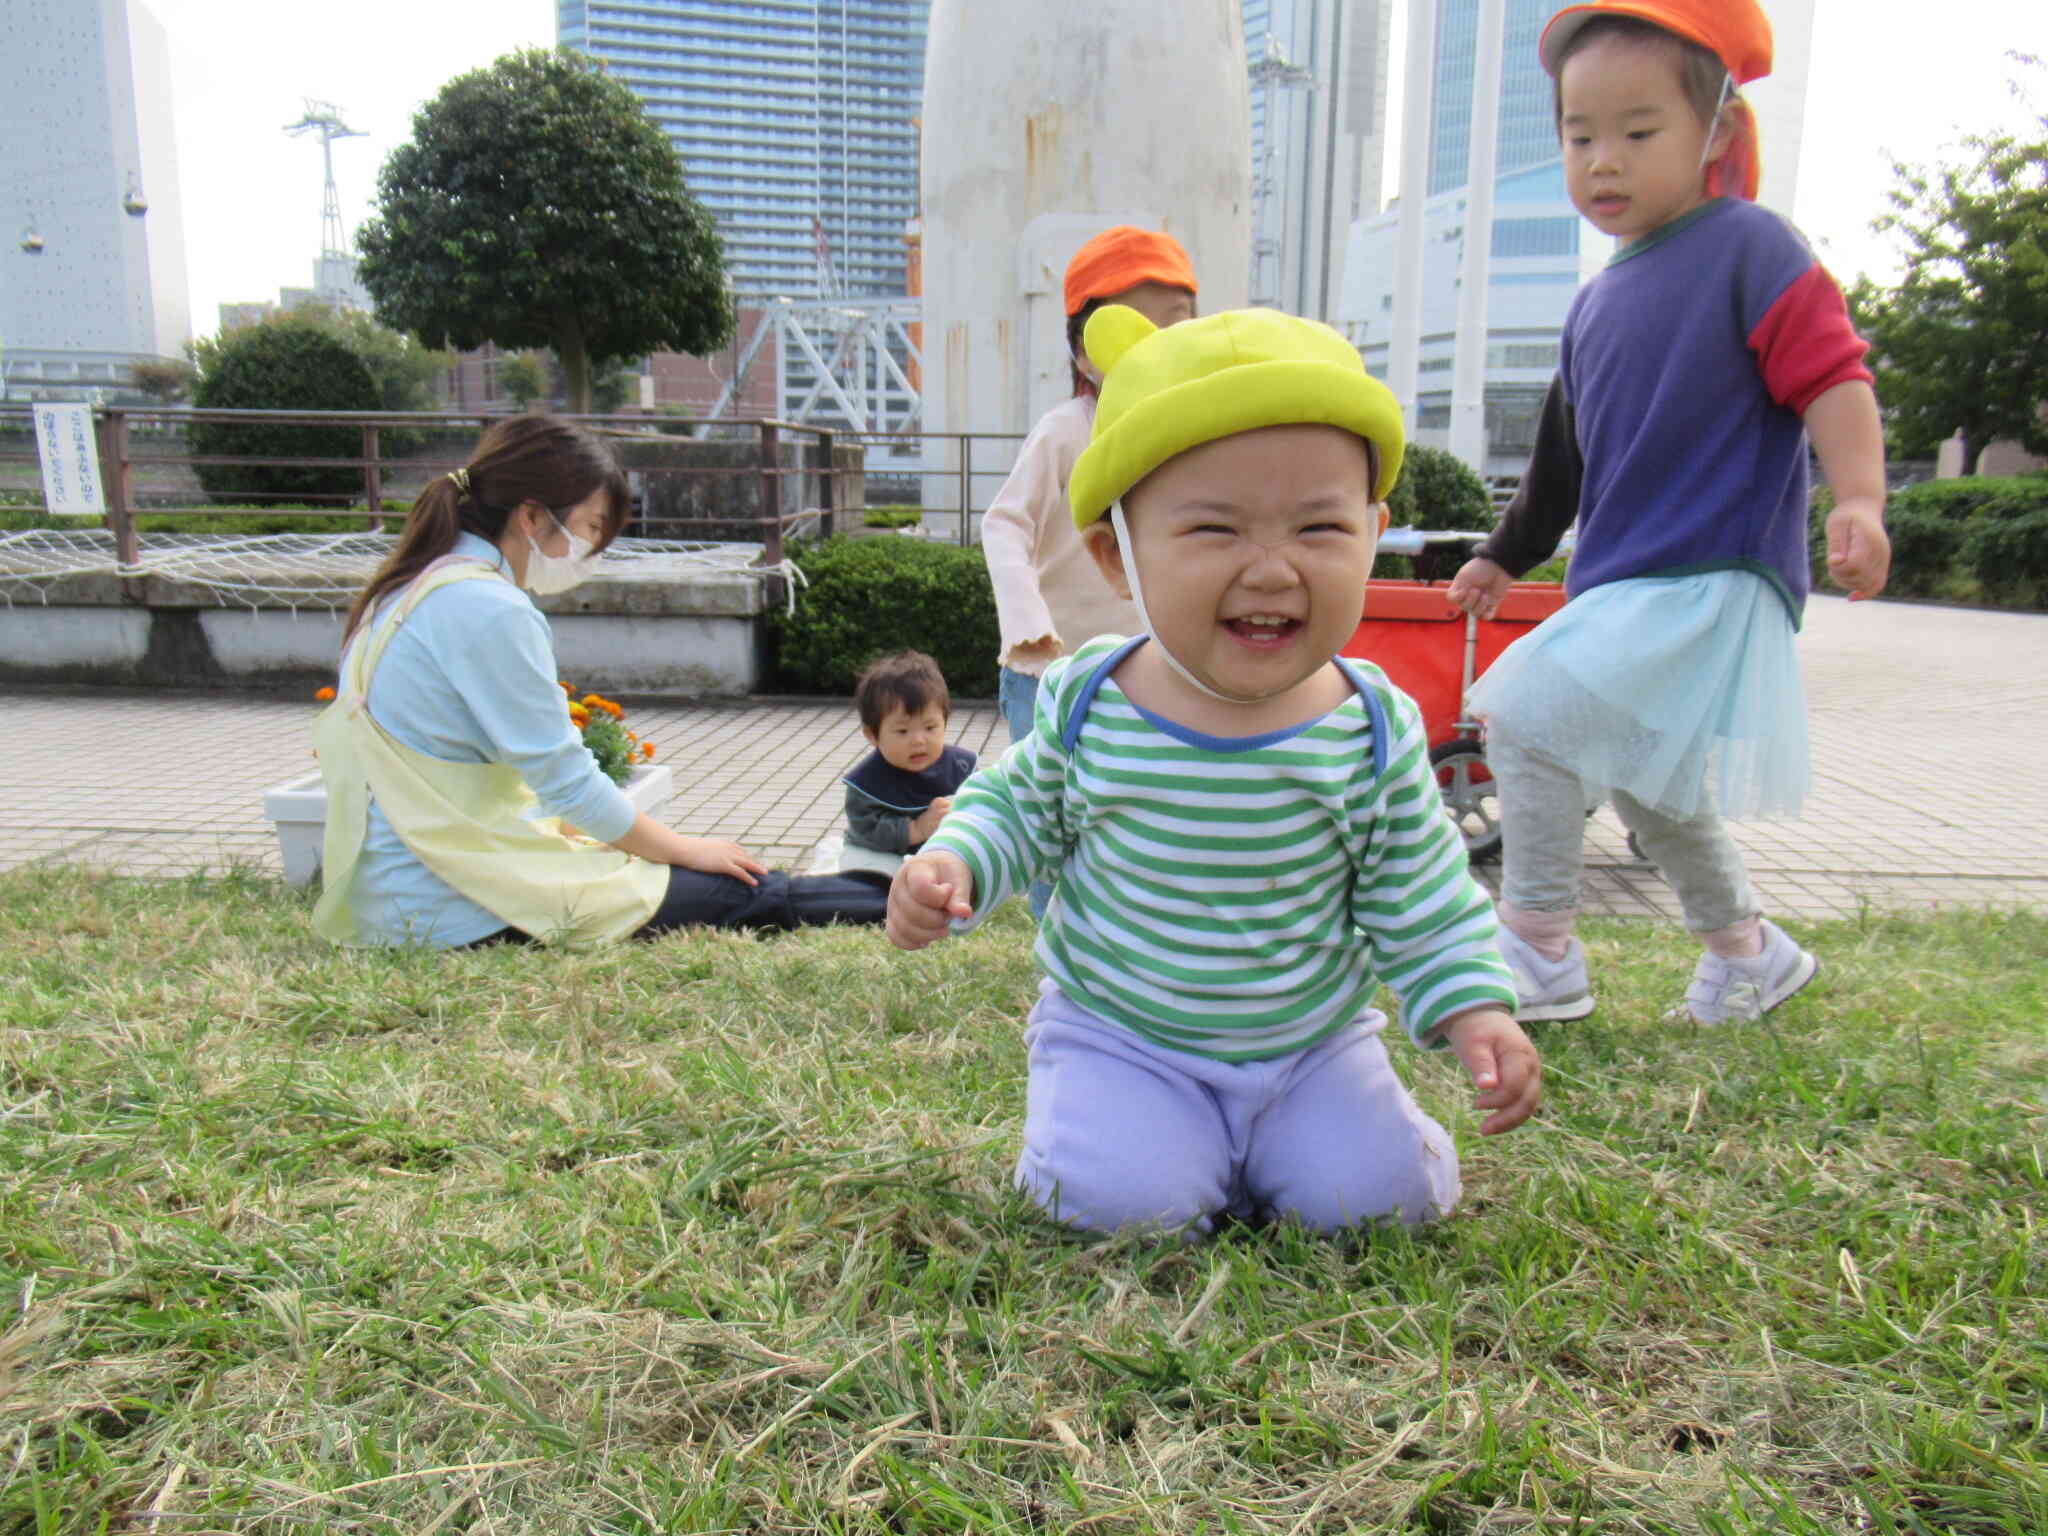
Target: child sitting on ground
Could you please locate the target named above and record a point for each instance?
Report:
(1245, 829)
(898, 794)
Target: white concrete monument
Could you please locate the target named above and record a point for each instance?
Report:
(1043, 124)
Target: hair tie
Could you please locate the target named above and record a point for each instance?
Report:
(461, 479)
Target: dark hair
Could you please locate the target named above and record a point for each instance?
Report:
(1701, 74)
(910, 680)
(1076, 324)
(537, 458)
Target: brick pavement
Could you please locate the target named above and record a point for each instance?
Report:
(1930, 743)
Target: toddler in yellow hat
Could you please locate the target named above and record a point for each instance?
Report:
(1244, 828)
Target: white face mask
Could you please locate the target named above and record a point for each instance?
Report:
(547, 574)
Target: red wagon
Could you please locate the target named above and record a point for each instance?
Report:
(1433, 652)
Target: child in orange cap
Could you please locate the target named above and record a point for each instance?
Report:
(1693, 372)
(1049, 596)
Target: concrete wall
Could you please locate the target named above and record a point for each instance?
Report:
(696, 637)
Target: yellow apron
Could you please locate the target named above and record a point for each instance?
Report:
(467, 822)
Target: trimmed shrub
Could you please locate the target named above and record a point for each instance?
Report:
(893, 515)
(1979, 539)
(2009, 556)
(1436, 490)
(281, 367)
(866, 597)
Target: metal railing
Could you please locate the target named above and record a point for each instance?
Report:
(149, 468)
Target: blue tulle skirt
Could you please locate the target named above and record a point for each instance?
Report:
(1682, 691)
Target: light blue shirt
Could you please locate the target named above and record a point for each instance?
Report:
(470, 678)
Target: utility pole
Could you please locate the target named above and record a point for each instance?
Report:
(324, 118)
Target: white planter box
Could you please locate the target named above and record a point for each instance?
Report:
(298, 807)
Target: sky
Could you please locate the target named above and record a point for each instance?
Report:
(1889, 79)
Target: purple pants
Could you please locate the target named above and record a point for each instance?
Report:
(1119, 1132)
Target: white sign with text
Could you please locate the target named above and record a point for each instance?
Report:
(71, 459)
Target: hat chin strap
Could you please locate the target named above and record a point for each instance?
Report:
(1123, 539)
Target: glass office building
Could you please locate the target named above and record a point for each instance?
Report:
(1528, 135)
(1319, 76)
(796, 121)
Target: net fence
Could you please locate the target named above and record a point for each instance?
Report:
(304, 570)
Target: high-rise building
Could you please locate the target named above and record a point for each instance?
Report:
(92, 273)
(1319, 114)
(1541, 251)
(795, 119)
(1527, 135)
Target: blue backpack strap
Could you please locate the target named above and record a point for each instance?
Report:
(1070, 728)
(1376, 710)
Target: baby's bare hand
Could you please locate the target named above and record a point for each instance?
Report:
(929, 891)
(1504, 1067)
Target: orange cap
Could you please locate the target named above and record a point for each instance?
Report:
(1120, 258)
(1735, 31)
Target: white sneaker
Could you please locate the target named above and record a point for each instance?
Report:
(1545, 989)
(1748, 989)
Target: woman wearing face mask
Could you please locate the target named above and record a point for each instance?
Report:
(449, 758)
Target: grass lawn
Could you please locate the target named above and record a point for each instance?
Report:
(715, 1235)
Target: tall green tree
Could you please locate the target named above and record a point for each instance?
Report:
(537, 205)
(1961, 344)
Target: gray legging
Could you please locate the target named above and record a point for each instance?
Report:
(1543, 833)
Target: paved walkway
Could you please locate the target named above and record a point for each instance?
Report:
(1930, 738)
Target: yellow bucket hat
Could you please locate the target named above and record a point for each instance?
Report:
(1164, 392)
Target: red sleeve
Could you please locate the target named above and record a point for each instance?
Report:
(1805, 344)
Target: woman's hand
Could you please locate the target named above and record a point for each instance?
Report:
(714, 856)
(658, 844)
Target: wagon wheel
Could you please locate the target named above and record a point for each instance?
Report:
(1471, 798)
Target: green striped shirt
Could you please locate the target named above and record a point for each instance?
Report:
(1235, 898)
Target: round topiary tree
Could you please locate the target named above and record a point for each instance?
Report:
(281, 366)
(1436, 490)
(538, 205)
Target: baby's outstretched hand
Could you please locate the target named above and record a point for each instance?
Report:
(929, 891)
(1503, 1064)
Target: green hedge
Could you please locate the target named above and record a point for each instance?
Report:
(866, 597)
(1436, 490)
(277, 520)
(1980, 539)
(280, 366)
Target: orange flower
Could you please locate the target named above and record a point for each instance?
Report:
(647, 749)
(579, 716)
(617, 712)
(565, 688)
(323, 694)
(592, 701)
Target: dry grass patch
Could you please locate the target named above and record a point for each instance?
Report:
(715, 1235)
